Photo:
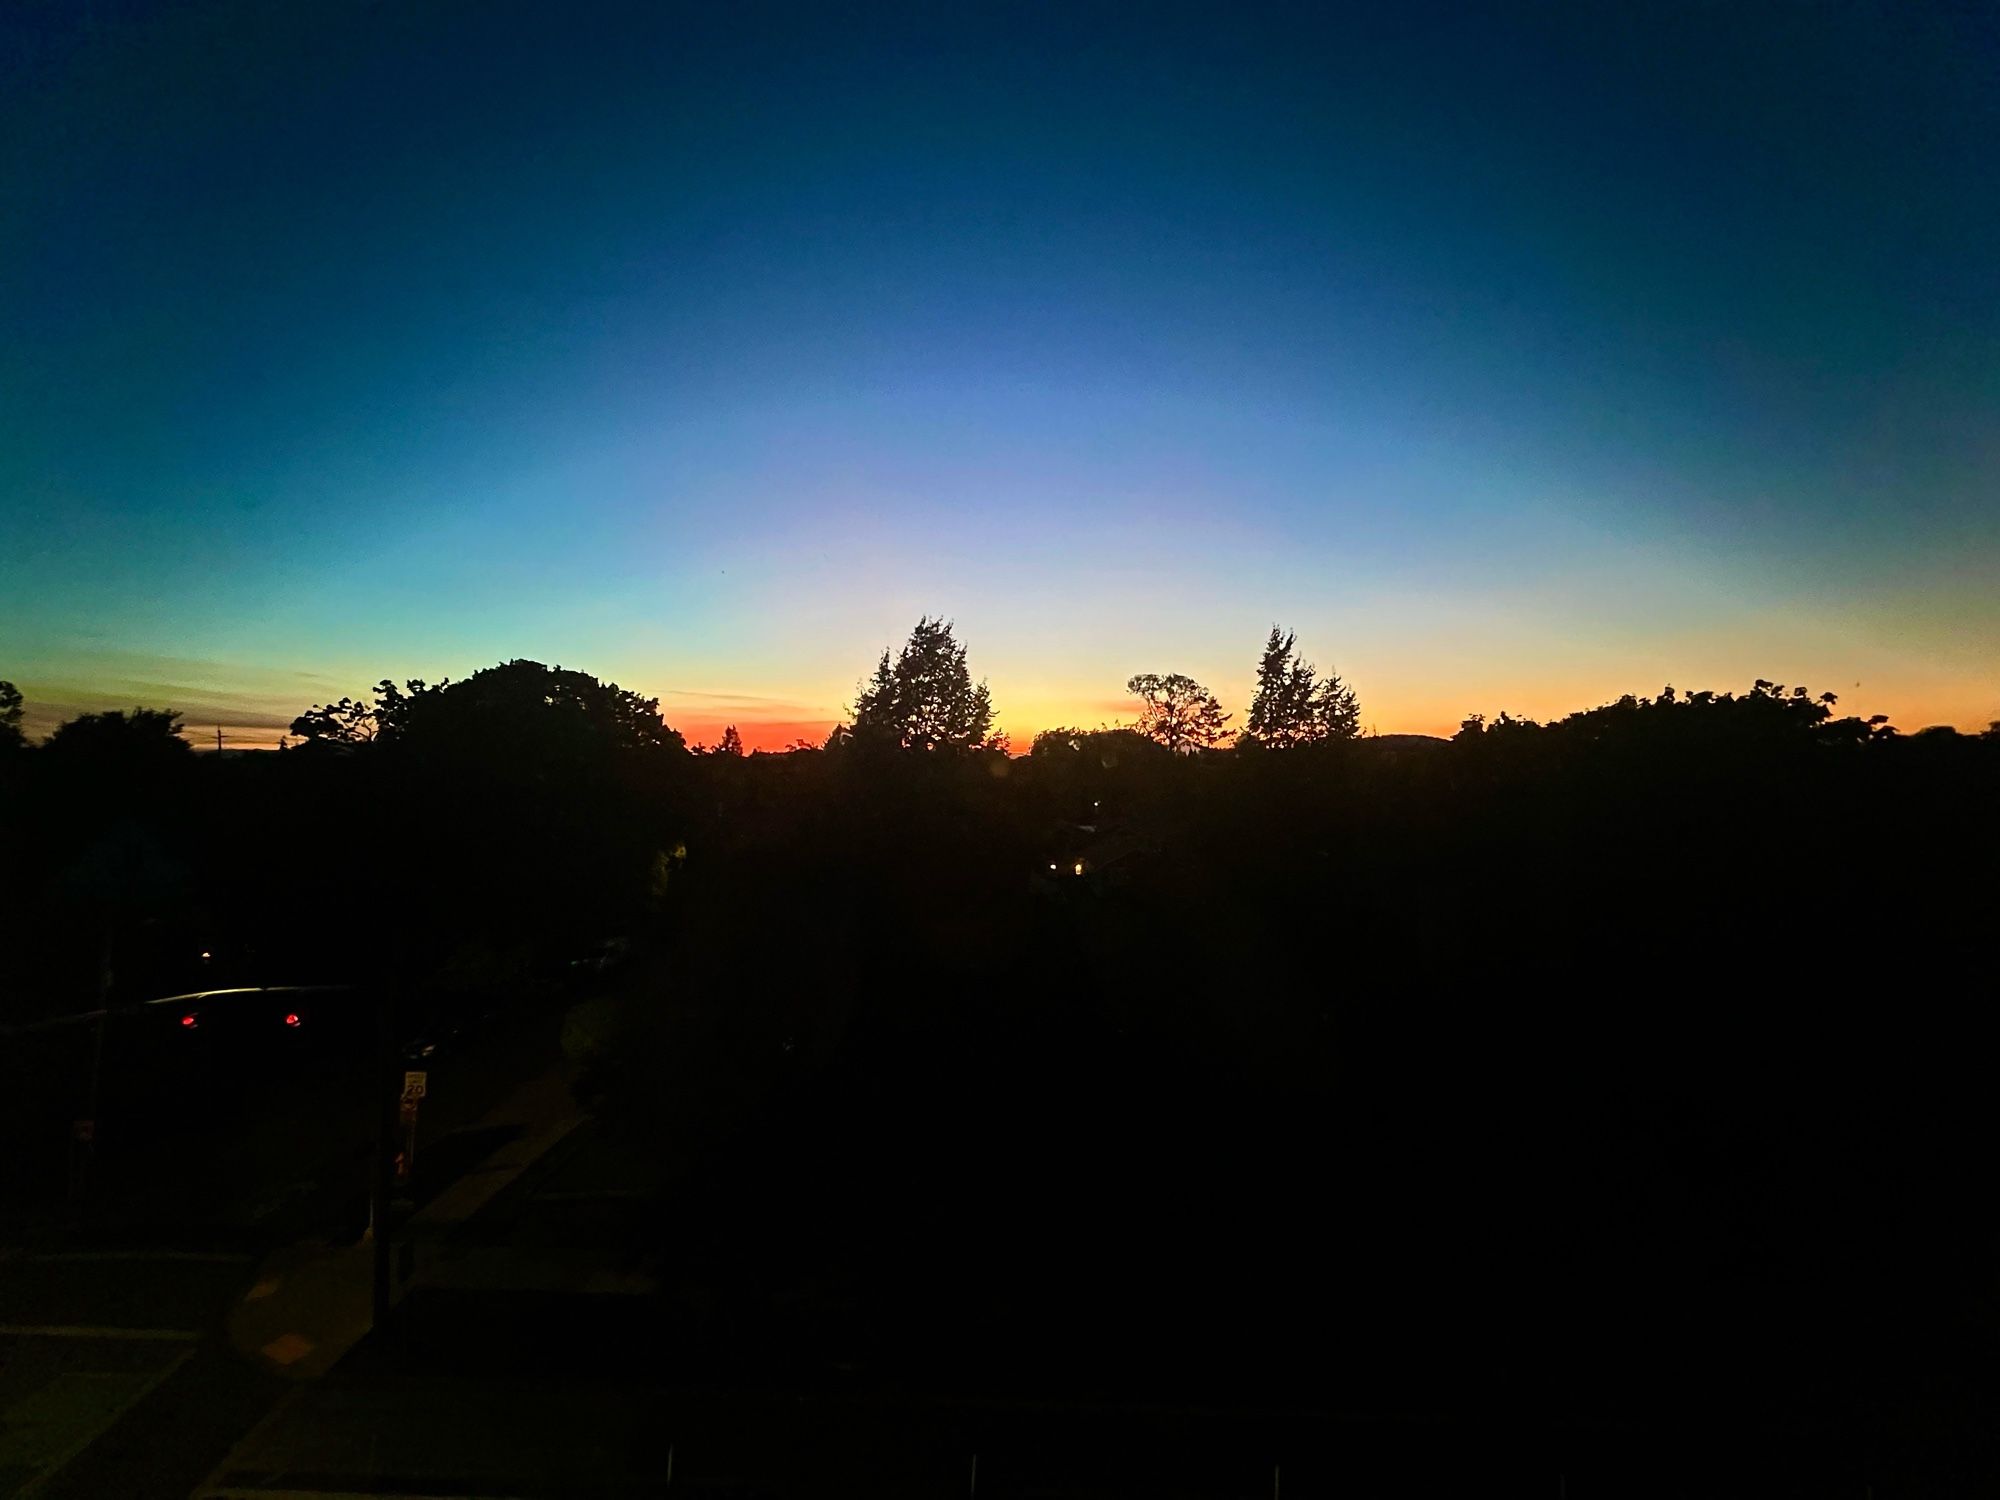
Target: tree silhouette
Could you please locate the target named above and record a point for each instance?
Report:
(348, 722)
(926, 699)
(1292, 705)
(1718, 728)
(11, 734)
(1336, 712)
(1062, 740)
(1476, 727)
(1281, 707)
(1177, 711)
(523, 709)
(353, 722)
(118, 740)
(520, 702)
(732, 742)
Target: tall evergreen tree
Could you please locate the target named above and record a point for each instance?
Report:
(1281, 708)
(1336, 712)
(926, 699)
(1293, 705)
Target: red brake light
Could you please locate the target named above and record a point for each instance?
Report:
(188, 1019)
(291, 1018)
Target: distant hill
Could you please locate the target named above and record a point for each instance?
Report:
(1405, 741)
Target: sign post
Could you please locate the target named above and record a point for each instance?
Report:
(383, 1188)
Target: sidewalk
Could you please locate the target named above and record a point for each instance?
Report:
(310, 1303)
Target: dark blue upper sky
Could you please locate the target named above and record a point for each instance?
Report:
(1518, 356)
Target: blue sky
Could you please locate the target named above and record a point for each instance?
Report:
(1517, 357)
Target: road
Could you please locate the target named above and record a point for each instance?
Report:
(252, 1126)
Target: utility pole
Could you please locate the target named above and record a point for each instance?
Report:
(218, 741)
(83, 1132)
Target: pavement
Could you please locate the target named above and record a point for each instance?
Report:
(555, 1347)
(309, 1304)
(111, 1379)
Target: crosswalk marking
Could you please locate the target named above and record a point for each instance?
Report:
(92, 1257)
(93, 1331)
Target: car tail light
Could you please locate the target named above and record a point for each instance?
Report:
(188, 1019)
(291, 1018)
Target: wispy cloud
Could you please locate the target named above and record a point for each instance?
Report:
(751, 707)
(718, 697)
(253, 705)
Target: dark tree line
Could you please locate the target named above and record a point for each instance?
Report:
(530, 800)
(1564, 1053)
(925, 699)
(12, 737)
(529, 704)
(1671, 1008)
(482, 827)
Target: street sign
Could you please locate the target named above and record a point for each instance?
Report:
(415, 1085)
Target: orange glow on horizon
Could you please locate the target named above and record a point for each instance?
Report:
(778, 734)
(1391, 703)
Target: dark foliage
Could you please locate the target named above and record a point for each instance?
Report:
(1525, 1071)
(1178, 712)
(117, 742)
(1103, 746)
(925, 699)
(12, 737)
(1293, 705)
(483, 827)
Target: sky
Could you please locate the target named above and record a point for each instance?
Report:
(1517, 357)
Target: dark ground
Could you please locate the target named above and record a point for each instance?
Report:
(1577, 1126)
(1107, 1290)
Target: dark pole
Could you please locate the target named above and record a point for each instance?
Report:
(83, 1134)
(384, 1078)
